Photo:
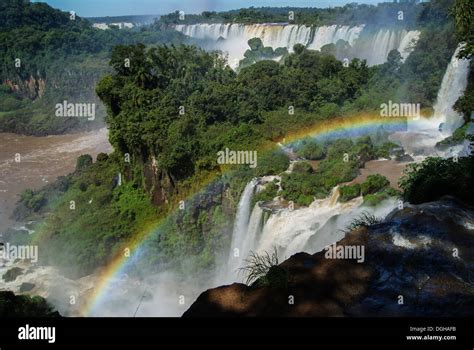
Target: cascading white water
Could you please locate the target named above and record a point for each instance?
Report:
(237, 36)
(374, 47)
(331, 34)
(289, 230)
(239, 233)
(423, 134)
(252, 235)
(313, 228)
(305, 229)
(408, 42)
(271, 34)
(452, 87)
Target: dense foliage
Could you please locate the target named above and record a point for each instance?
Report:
(435, 177)
(12, 305)
(349, 192)
(61, 58)
(349, 14)
(181, 105)
(374, 183)
(90, 216)
(341, 163)
(258, 52)
(463, 13)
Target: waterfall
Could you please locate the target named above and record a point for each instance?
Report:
(366, 44)
(253, 230)
(273, 35)
(408, 42)
(241, 225)
(423, 134)
(312, 228)
(331, 34)
(289, 230)
(452, 87)
(375, 47)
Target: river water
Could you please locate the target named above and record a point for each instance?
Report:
(41, 161)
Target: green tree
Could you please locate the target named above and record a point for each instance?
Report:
(374, 183)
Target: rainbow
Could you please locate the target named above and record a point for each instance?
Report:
(353, 126)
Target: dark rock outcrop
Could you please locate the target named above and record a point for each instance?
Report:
(26, 287)
(12, 305)
(418, 262)
(12, 274)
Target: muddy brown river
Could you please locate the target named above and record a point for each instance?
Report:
(41, 161)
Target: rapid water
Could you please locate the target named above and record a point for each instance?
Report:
(366, 45)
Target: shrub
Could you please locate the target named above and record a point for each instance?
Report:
(383, 150)
(272, 163)
(32, 200)
(311, 150)
(101, 157)
(374, 183)
(21, 306)
(83, 161)
(365, 219)
(349, 192)
(300, 187)
(303, 168)
(263, 270)
(267, 194)
(436, 177)
(376, 198)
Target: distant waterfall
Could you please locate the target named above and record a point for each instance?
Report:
(372, 46)
(375, 47)
(408, 42)
(271, 34)
(452, 87)
(331, 34)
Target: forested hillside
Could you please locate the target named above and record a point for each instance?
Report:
(47, 56)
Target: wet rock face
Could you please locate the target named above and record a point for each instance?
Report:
(418, 262)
